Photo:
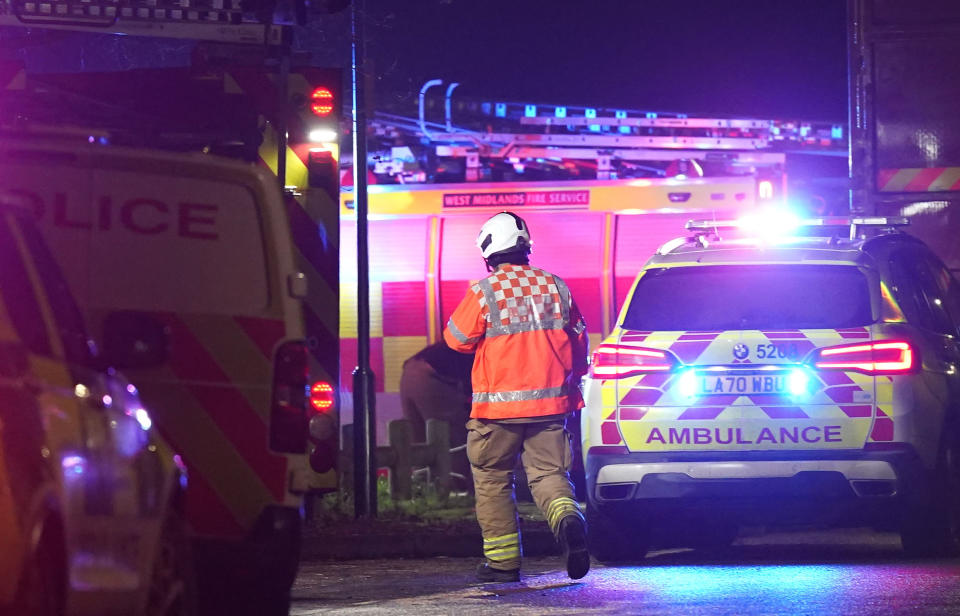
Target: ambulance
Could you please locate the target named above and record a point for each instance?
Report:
(768, 370)
(92, 518)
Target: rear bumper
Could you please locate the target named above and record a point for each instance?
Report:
(856, 486)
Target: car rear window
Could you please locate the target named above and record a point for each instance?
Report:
(731, 297)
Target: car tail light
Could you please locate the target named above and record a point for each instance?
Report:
(322, 396)
(881, 357)
(613, 361)
(288, 412)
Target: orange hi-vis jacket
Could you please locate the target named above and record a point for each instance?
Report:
(530, 341)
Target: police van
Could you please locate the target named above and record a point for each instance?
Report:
(200, 249)
(92, 516)
(769, 370)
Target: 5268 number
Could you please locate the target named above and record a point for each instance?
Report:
(776, 351)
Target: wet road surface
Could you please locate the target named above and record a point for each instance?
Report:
(837, 572)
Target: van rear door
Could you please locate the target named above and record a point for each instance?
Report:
(199, 244)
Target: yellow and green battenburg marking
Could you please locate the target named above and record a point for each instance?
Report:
(503, 552)
(560, 508)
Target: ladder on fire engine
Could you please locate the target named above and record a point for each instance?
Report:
(528, 134)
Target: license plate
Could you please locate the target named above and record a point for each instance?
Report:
(749, 384)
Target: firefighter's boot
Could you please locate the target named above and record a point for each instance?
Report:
(486, 573)
(572, 534)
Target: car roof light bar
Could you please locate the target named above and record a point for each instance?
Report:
(703, 227)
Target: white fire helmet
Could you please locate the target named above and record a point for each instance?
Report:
(504, 231)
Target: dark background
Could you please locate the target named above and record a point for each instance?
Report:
(763, 58)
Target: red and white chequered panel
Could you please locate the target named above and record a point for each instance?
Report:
(526, 294)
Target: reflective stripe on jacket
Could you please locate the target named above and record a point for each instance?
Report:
(530, 341)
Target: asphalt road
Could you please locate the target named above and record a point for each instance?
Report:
(837, 572)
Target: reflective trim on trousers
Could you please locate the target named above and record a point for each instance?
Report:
(519, 396)
(560, 508)
(503, 551)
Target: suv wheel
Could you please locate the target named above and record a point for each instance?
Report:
(933, 527)
(610, 541)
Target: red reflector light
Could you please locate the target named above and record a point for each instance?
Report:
(321, 396)
(321, 101)
(288, 414)
(881, 357)
(613, 361)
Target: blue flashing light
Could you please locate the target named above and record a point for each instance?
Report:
(486, 108)
(651, 115)
(770, 224)
(501, 110)
(687, 384)
(798, 382)
(836, 132)
(530, 111)
(560, 112)
(589, 113)
(620, 114)
(804, 130)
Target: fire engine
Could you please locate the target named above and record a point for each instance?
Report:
(600, 188)
(904, 134)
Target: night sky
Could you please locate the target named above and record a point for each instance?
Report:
(764, 58)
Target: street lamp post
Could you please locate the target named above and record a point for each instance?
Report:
(364, 400)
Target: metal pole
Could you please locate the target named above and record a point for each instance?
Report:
(284, 109)
(364, 401)
(448, 106)
(423, 98)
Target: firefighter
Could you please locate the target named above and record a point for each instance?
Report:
(530, 344)
(435, 384)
